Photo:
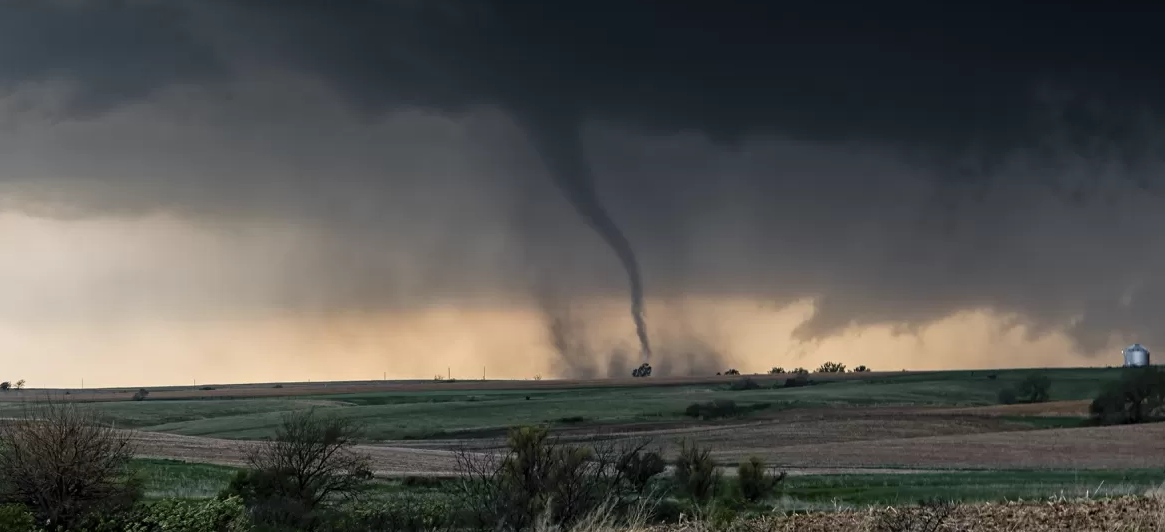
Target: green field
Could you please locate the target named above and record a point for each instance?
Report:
(168, 478)
(444, 413)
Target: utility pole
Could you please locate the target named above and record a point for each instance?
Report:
(448, 373)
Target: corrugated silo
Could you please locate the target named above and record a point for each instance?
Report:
(1136, 356)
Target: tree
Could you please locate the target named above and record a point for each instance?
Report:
(1034, 388)
(5, 386)
(141, 394)
(831, 367)
(64, 464)
(732, 371)
(644, 370)
(20, 384)
(776, 371)
(1137, 397)
(861, 369)
(311, 460)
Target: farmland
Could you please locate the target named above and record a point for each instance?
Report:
(848, 439)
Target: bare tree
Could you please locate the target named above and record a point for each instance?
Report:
(63, 463)
(314, 458)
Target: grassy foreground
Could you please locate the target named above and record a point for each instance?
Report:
(176, 479)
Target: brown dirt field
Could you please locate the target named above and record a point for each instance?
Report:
(782, 429)
(856, 444)
(386, 461)
(1123, 447)
(1054, 409)
(328, 388)
(1126, 514)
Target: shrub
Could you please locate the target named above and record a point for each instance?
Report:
(1008, 396)
(62, 463)
(16, 517)
(207, 388)
(800, 370)
(540, 478)
(5, 386)
(277, 386)
(861, 369)
(743, 384)
(714, 409)
(732, 371)
(1137, 397)
(799, 378)
(831, 367)
(776, 371)
(403, 513)
(310, 463)
(141, 394)
(695, 472)
(755, 480)
(640, 467)
(1034, 388)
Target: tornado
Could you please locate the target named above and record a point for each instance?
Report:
(558, 143)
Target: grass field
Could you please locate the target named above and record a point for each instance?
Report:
(896, 437)
(170, 478)
(442, 413)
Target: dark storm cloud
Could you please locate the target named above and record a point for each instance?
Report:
(899, 164)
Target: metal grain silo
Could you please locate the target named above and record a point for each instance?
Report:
(1136, 356)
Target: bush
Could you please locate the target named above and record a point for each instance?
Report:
(1138, 396)
(800, 370)
(695, 472)
(403, 513)
(776, 371)
(16, 517)
(141, 394)
(831, 367)
(861, 369)
(1034, 388)
(714, 409)
(309, 464)
(5, 386)
(1008, 396)
(732, 371)
(640, 467)
(541, 478)
(277, 386)
(743, 384)
(755, 480)
(63, 464)
(799, 378)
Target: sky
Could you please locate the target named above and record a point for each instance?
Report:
(249, 191)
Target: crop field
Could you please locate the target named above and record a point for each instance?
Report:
(848, 439)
